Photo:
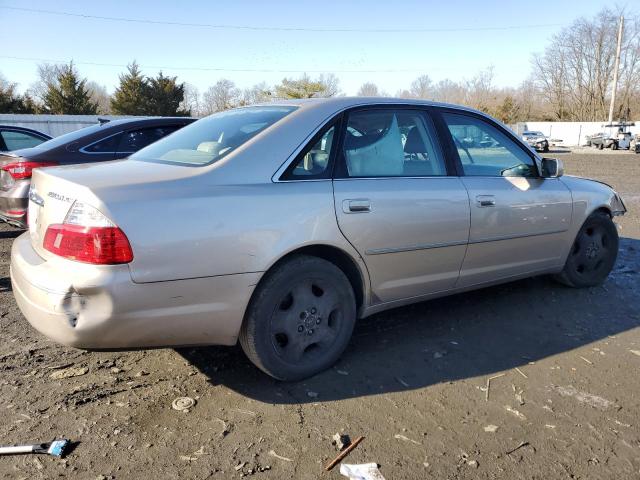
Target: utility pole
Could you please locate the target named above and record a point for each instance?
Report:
(615, 71)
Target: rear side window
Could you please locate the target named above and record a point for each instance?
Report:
(313, 162)
(17, 140)
(211, 138)
(486, 151)
(106, 145)
(134, 140)
(391, 143)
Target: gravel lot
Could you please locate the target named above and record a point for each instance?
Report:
(412, 382)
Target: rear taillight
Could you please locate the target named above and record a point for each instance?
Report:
(20, 170)
(86, 235)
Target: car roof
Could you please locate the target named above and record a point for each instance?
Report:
(145, 120)
(24, 129)
(346, 102)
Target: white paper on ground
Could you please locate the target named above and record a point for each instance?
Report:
(365, 471)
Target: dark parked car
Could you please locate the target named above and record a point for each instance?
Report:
(98, 143)
(15, 138)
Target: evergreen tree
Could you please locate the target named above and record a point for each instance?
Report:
(164, 96)
(131, 96)
(11, 101)
(304, 87)
(68, 94)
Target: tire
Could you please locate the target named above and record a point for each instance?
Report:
(600, 146)
(546, 148)
(300, 319)
(614, 146)
(593, 253)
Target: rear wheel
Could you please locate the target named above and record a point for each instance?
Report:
(593, 253)
(614, 145)
(300, 319)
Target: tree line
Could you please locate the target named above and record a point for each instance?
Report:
(570, 81)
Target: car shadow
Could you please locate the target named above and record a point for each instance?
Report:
(5, 284)
(11, 233)
(457, 337)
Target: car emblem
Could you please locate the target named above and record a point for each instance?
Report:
(35, 198)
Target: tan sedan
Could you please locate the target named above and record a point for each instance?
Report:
(281, 224)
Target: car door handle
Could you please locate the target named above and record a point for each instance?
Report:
(486, 200)
(362, 205)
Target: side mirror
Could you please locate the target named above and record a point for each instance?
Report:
(552, 168)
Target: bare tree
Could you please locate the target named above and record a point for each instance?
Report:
(575, 72)
(422, 87)
(259, 93)
(369, 89)
(98, 94)
(192, 101)
(221, 96)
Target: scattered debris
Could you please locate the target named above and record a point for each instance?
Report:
(635, 352)
(438, 355)
(550, 426)
(365, 471)
(522, 444)
(515, 412)
(405, 439)
(57, 448)
(488, 386)
(142, 373)
(183, 404)
(473, 463)
(274, 454)
(521, 372)
(69, 372)
(240, 466)
(340, 441)
(586, 360)
(491, 428)
(343, 454)
(311, 394)
(583, 397)
(225, 427)
(342, 372)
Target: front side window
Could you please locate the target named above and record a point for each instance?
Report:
(17, 140)
(486, 151)
(210, 139)
(391, 143)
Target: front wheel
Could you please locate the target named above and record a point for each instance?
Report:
(614, 146)
(300, 319)
(593, 253)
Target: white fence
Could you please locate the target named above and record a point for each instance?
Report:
(54, 125)
(570, 134)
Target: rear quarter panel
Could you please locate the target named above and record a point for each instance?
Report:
(191, 230)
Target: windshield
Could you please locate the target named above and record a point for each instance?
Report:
(70, 137)
(211, 138)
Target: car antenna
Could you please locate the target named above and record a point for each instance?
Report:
(103, 120)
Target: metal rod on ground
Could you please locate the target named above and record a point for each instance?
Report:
(615, 71)
(344, 453)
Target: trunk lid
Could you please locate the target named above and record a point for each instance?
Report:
(55, 189)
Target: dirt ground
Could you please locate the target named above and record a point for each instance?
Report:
(412, 382)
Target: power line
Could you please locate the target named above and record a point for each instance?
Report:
(215, 69)
(280, 29)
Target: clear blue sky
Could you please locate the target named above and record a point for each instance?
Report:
(445, 54)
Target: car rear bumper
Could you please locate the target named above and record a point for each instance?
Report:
(100, 307)
(13, 207)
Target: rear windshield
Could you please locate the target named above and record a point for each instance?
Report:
(70, 137)
(211, 138)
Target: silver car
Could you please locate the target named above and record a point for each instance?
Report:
(280, 225)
